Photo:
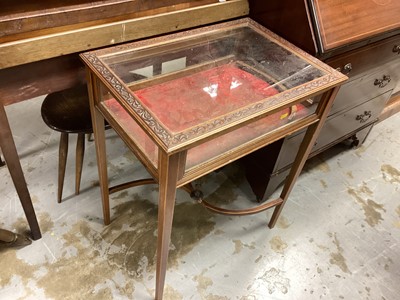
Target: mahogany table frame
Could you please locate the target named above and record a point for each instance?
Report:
(39, 62)
(170, 173)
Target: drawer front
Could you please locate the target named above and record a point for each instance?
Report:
(335, 127)
(367, 87)
(355, 63)
(342, 124)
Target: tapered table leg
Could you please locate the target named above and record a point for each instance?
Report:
(169, 172)
(9, 150)
(99, 136)
(304, 151)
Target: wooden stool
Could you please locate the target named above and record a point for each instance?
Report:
(68, 112)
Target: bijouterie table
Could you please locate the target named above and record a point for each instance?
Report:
(189, 103)
(40, 42)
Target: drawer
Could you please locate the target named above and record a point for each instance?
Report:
(342, 124)
(355, 63)
(335, 127)
(359, 90)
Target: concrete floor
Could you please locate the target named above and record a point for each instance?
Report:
(338, 236)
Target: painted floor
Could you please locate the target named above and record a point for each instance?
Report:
(337, 238)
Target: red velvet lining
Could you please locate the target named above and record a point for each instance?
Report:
(188, 101)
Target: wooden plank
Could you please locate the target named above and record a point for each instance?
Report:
(47, 46)
(39, 78)
(23, 16)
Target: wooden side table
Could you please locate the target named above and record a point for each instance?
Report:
(210, 96)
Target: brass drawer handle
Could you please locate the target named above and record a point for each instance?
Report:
(382, 82)
(396, 49)
(364, 117)
(346, 68)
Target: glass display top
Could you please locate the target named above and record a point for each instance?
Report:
(197, 83)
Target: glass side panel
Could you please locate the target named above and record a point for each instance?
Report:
(188, 82)
(215, 147)
(132, 129)
(237, 138)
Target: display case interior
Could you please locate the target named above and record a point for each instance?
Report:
(195, 84)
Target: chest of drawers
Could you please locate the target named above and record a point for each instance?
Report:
(359, 38)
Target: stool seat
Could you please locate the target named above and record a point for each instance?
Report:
(68, 110)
